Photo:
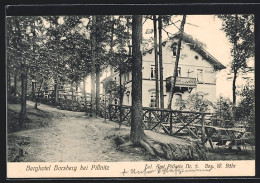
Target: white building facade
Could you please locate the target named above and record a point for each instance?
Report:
(196, 73)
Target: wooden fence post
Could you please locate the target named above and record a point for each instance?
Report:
(170, 122)
(203, 129)
(56, 94)
(120, 115)
(109, 112)
(149, 120)
(115, 114)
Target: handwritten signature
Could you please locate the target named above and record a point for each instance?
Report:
(163, 169)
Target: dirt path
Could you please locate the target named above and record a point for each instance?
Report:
(72, 137)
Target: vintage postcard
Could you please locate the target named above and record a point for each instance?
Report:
(130, 96)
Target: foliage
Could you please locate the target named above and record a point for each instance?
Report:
(47, 101)
(65, 104)
(246, 107)
(13, 99)
(119, 42)
(71, 105)
(12, 92)
(196, 44)
(67, 45)
(58, 48)
(224, 108)
(197, 102)
(109, 86)
(113, 89)
(239, 30)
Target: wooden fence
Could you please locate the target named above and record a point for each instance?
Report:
(201, 126)
(171, 122)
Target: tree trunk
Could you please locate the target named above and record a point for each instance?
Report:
(234, 87)
(84, 93)
(111, 52)
(15, 83)
(156, 62)
(77, 86)
(18, 41)
(235, 68)
(23, 80)
(36, 101)
(120, 97)
(112, 37)
(128, 40)
(77, 90)
(98, 92)
(33, 91)
(176, 63)
(161, 62)
(137, 132)
(56, 94)
(93, 69)
(72, 91)
(23, 96)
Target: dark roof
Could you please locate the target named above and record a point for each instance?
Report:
(198, 47)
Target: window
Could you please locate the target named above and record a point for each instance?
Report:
(200, 76)
(177, 101)
(178, 72)
(152, 72)
(174, 49)
(178, 98)
(152, 99)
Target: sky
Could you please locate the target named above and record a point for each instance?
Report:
(206, 29)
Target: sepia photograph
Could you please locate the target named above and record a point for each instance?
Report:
(130, 88)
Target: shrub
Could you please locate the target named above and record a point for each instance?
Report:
(196, 103)
(224, 108)
(47, 101)
(13, 99)
(64, 104)
(71, 105)
(246, 108)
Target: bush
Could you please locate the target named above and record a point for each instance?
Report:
(47, 101)
(65, 104)
(196, 103)
(13, 99)
(224, 109)
(246, 108)
(71, 105)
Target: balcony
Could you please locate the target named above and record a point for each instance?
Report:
(182, 83)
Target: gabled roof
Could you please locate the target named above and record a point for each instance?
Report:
(198, 47)
(108, 78)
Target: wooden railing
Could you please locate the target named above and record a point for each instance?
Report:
(198, 125)
(171, 122)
